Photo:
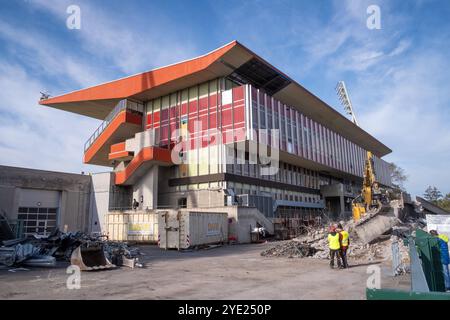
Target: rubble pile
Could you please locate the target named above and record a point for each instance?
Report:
(360, 251)
(36, 251)
(380, 251)
(290, 249)
(314, 243)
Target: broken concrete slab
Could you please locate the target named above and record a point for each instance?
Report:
(371, 229)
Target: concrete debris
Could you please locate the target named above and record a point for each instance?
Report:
(358, 252)
(380, 251)
(39, 251)
(314, 243)
(290, 249)
(375, 224)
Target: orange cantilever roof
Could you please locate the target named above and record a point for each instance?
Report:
(98, 101)
(104, 96)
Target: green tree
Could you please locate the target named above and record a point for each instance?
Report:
(398, 176)
(444, 203)
(433, 195)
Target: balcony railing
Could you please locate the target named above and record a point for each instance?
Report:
(122, 105)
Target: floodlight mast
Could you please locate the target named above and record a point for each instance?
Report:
(344, 98)
(365, 201)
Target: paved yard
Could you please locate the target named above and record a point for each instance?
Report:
(228, 272)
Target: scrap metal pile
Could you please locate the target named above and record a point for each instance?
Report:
(87, 252)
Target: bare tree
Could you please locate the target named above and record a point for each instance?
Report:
(398, 176)
(433, 195)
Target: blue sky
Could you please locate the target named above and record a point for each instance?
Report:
(397, 77)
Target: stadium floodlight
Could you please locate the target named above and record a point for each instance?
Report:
(344, 98)
(44, 95)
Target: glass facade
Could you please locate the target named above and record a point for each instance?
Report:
(304, 137)
(220, 110)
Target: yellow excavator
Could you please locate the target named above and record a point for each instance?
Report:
(370, 198)
(372, 210)
(373, 198)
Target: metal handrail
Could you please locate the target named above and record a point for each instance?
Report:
(121, 105)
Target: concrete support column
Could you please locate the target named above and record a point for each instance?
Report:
(99, 201)
(145, 191)
(342, 203)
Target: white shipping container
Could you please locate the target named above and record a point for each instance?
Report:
(132, 226)
(185, 229)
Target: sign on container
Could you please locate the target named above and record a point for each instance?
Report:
(140, 229)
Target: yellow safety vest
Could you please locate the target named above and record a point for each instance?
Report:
(345, 237)
(443, 237)
(333, 241)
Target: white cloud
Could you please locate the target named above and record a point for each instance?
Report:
(356, 59)
(47, 58)
(403, 45)
(408, 110)
(37, 136)
(130, 43)
(42, 137)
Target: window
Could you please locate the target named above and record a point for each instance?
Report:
(182, 202)
(269, 115)
(262, 115)
(254, 114)
(37, 219)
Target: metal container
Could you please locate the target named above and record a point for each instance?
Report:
(132, 226)
(185, 229)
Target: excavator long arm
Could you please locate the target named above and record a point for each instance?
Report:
(365, 202)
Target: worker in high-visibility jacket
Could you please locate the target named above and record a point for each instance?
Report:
(445, 257)
(334, 244)
(345, 242)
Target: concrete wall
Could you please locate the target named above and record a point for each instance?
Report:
(146, 189)
(169, 196)
(74, 190)
(195, 198)
(99, 200)
(8, 199)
